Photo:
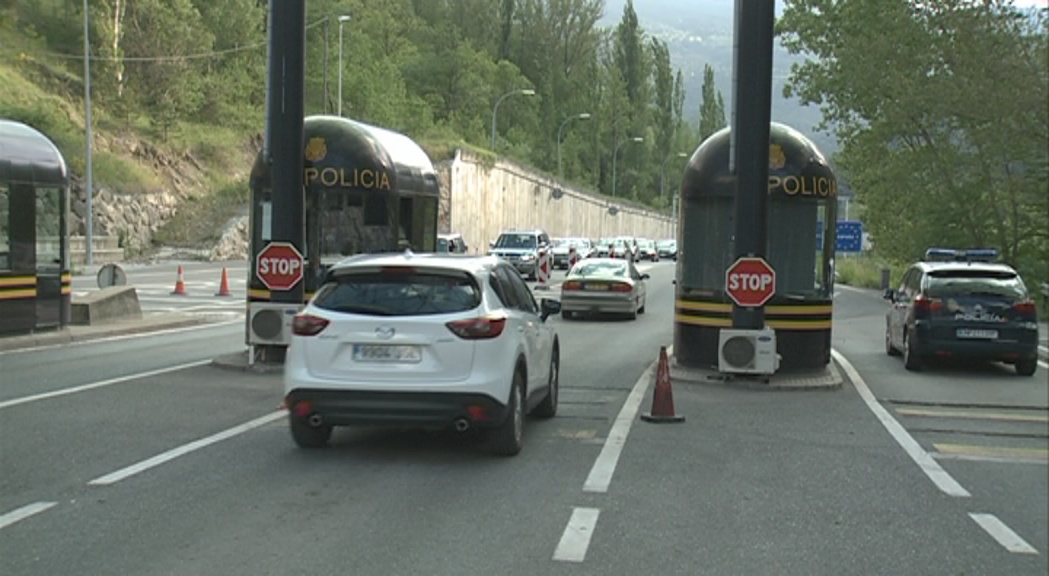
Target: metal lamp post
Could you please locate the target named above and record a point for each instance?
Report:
(88, 240)
(342, 20)
(663, 172)
(495, 109)
(615, 154)
(581, 116)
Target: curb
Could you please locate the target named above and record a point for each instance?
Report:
(829, 378)
(68, 336)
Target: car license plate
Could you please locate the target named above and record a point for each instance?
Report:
(595, 286)
(387, 353)
(977, 334)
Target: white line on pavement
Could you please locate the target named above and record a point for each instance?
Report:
(100, 384)
(928, 465)
(114, 477)
(1005, 536)
(24, 512)
(601, 474)
(120, 337)
(1043, 364)
(576, 537)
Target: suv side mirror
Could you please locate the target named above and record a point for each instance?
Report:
(645, 276)
(549, 308)
(889, 295)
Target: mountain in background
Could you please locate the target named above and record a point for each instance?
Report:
(700, 32)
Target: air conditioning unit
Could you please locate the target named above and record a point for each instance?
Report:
(270, 322)
(747, 351)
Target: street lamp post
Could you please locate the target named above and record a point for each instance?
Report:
(342, 20)
(582, 116)
(88, 235)
(615, 154)
(663, 172)
(495, 109)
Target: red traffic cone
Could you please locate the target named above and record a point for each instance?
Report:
(180, 284)
(662, 397)
(224, 284)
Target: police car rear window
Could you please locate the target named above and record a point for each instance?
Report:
(990, 283)
(400, 292)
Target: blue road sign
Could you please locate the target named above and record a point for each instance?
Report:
(849, 236)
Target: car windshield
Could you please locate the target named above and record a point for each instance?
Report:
(666, 243)
(400, 292)
(591, 269)
(946, 284)
(442, 245)
(516, 241)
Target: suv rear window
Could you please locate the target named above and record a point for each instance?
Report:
(948, 283)
(516, 241)
(400, 292)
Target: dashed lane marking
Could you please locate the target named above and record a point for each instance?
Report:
(1004, 535)
(576, 538)
(24, 512)
(1000, 452)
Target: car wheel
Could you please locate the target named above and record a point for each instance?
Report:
(911, 360)
(641, 310)
(307, 436)
(548, 407)
(1026, 366)
(507, 439)
(889, 348)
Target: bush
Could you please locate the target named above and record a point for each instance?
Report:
(864, 271)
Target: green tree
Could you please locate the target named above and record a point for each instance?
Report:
(712, 107)
(940, 107)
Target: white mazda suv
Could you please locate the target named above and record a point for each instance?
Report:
(422, 340)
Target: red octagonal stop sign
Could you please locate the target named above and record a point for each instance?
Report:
(279, 266)
(750, 282)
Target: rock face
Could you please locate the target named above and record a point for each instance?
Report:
(233, 244)
(131, 217)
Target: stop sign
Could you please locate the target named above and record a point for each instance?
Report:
(750, 282)
(279, 266)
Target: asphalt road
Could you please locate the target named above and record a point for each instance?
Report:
(192, 471)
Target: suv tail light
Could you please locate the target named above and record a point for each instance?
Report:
(572, 285)
(923, 305)
(1025, 308)
(621, 287)
(478, 328)
(308, 325)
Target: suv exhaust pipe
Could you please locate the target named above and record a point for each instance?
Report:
(462, 425)
(315, 420)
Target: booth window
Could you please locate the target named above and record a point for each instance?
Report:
(5, 228)
(48, 228)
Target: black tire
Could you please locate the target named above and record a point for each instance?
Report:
(641, 310)
(911, 359)
(889, 348)
(548, 407)
(307, 436)
(1026, 366)
(508, 438)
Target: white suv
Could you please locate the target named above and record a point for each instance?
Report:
(422, 339)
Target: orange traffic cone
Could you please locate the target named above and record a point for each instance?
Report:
(180, 284)
(662, 397)
(224, 284)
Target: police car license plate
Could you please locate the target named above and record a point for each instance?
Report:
(387, 353)
(977, 334)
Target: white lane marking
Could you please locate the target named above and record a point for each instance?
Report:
(1043, 364)
(985, 458)
(576, 537)
(24, 512)
(107, 339)
(126, 472)
(100, 384)
(927, 463)
(601, 473)
(1005, 536)
(1044, 349)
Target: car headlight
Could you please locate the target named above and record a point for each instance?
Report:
(527, 257)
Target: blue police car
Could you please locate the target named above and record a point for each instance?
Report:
(962, 304)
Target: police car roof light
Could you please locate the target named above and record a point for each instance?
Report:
(952, 255)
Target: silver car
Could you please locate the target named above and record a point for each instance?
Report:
(603, 285)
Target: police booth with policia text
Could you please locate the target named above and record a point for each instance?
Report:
(802, 197)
